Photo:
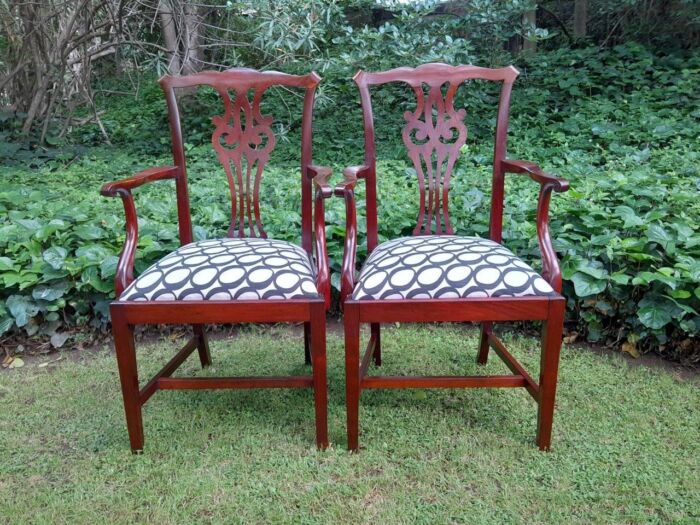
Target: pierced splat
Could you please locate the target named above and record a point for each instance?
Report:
(243, 140)
(433, 135)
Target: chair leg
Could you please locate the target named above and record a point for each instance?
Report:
(483, 356)
(549, 365)
(307, 346)
(318, 355)
(352, 374)
(376, 333)
(202, 345)
(128, 375)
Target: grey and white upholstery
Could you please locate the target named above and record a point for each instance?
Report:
(446, 266)
(227, 269)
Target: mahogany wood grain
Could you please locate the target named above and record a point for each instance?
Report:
(168, 370)
(452, 310)
(434, 134)
(513, 364)
(111, 189)
(367, 357)
(201, 383)
(213, 312)
(502, 381)
(549, 369)
(352, 374)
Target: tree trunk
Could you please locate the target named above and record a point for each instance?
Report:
(191, 40)
(580, 18)
(530, 20)
(167, 22)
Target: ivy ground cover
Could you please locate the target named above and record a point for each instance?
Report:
(622, 125)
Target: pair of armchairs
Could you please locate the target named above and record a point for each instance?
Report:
(432, 276)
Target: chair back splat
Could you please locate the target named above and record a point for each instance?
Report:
(434, 134)
(243, 140)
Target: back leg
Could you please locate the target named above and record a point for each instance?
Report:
(202, 345)
(307, 343)
(376, 334)
(483, 356)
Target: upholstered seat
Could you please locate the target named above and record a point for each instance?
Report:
(446, 266)
(227, 269)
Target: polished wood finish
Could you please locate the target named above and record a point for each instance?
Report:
(433, 135)
(243, 140)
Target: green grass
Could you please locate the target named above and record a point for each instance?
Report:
(625, 442)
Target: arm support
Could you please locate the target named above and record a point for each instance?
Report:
(548, 183)
(111, 189)
(346, 190)
(122, 188)
(535, 173)
(320, 176)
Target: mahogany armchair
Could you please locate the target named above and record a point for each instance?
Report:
(435, 276)
(241, 278)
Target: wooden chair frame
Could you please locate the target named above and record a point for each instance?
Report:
(549, 309)
(244, 211)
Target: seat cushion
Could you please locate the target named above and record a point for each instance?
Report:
(227, 269)
(446, 266)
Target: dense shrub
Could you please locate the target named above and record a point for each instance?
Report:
(621, 125)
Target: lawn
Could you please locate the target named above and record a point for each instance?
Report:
(625, 446)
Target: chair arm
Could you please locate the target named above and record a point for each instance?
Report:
(122, 188)
(356, 172)
(345, 190)
(111, 189)
(320, 176)
(551, 271)
(535, 173)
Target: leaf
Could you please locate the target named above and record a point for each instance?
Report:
(586, 285)
(109, 267)
(649, 277)
(658, 234)
(55, 257)
(620, 278)
(5, 324)
(21, 308)
(629, 216)
(631, 349)
(59, 338)
(680, 294)
(49, 292)
(17, 362)
(6, 264)
(654, 317)
(92, 253)
(89, 232)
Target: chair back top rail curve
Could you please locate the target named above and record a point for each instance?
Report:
(243, 140)
(433, 135)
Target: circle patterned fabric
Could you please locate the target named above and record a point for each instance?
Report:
(225, 270)
(446, 266)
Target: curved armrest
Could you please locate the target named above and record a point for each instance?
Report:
(535, 173)
(122, 188)
(111, 189)
(548, 183)
(346, 190)
(320, 176)
(357, 172)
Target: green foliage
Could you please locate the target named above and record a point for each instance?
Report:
(621, 125)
